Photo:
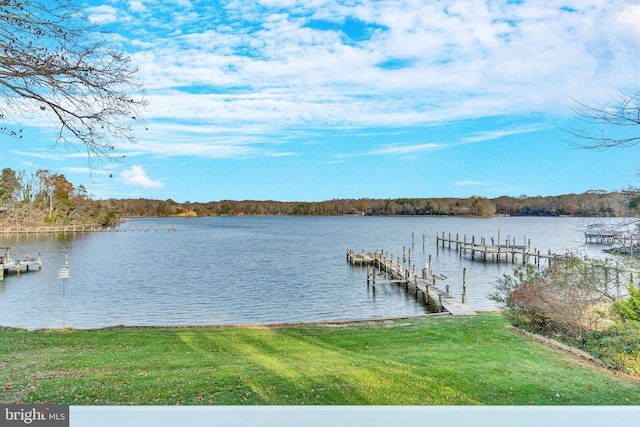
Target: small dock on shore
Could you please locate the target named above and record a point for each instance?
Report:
(381, 269)
(497, 251)
(9, 265)
(597, 233)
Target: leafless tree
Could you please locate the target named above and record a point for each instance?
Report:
(54, 62)
(608, 126)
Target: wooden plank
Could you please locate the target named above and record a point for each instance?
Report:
(398, 274)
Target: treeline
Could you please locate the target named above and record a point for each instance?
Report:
(474, 206)
(47, 198)
(590, 203)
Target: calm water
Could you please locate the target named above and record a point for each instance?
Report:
(225, 270)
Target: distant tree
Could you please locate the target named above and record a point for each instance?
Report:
(9, 185)
(55, 191)
(53, 61)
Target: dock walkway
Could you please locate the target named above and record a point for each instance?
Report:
(496, 251)
(72, 229)
(424, 287)
(7, 264)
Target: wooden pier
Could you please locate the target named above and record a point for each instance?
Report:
(9, 265)
(480, 250)
(602, 236)
(72, 229)
(381, 269)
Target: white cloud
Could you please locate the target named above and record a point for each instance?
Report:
(137, 6)
(102, 15)
(470, 183)
(495, 134)
(396, 149)
(261, 65)
(138, 176)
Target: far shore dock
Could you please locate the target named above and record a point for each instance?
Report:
(71, 229)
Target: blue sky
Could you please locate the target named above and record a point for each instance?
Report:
(307, 100)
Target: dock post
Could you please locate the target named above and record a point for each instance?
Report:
(447, 289)
(449, 240)
(430, 272)
(368, 274)
(384, 265)
(413, 239)
(464, 286)
(443, 239)
(473, 245)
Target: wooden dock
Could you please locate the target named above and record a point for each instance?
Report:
(72, 229)
(381, 269)
(497, 251)
(9, 265)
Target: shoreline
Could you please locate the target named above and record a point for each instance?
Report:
(274, 325)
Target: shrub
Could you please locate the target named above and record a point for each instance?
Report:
(618, 347)
(565, 301)
(512, 289)
(629, 309)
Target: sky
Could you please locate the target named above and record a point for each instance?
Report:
(310, 100)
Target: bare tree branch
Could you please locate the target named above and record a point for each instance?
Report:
(52, 60)
(605, 127)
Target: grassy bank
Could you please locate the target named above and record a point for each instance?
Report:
(440, 361)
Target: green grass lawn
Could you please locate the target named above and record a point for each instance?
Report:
(423, 361)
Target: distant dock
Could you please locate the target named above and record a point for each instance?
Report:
(383, 269)
(610, 235)
(480, 250)
(72, 229)
(9, 265)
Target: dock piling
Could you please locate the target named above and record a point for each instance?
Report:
(433, 297)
